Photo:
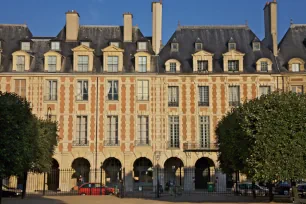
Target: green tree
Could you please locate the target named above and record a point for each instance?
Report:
(265, 138)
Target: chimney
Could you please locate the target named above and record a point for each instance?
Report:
(157, 8)
(270, 12)
(128, 27)
(72, 25)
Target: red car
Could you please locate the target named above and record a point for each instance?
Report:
(95, 189)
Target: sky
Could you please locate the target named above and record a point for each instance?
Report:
(47, 18)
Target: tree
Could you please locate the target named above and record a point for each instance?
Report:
(265, 138)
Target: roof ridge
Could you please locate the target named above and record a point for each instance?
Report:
(22, 25)
(100, 26)
(213, 26)
(297, 25)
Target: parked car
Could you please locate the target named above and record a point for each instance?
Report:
(301, 190)
(10, 192)
(95, 189)
(246, 189)
(282, 188)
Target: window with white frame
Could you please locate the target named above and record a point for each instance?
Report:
(20, 66)
(198, 46)
(173, 96)
(25, 46)
(295, 67)
(55, 46)
(116, 44)
(87, 44)
(83, 63)
(264, 90)
(203, 95)
(234, 95)
(52, 63)
(256, 46)
(174, 132)
(142, 64)
(202, 65)
(112, 63)
(142, 90)
(172, 67)
(51, 90)
(142, 130)
(297, 89)
(264, 66)
(142, 45)
(113, 90)
(112, 138)
(204, 137)
(82, 90)
(231, 46)
(81, 131)
(20, 87)
(174, 47)
(233, 65)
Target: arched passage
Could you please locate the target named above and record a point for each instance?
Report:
(174, 171)
(143, 172)
(82, 170)
(53, 176)
(112, 169)
(204, 171)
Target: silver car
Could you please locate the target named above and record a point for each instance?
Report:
(246, 189)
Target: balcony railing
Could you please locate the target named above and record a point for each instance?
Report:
(111, 142)
(173, 104)
(234, 103)
(80, 143)
(200, 147)
(50, 97)
(203, 103)
(81, 97)
(173, 144)
(144, 142)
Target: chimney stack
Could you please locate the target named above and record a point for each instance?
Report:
(157, 8)
(72, 25)
(270, 12)
(128, 27)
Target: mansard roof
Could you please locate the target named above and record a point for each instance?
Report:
(215, 40)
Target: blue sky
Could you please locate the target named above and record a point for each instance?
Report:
(46, 18)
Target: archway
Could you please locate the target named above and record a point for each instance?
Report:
(81, 167)
(112, 168)
(204, 171)
(174, 171)
(143, 172)
(53, 176)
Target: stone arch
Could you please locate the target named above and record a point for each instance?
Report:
(112, 168)
(81, 167)
(53, 176)
(143, 172)
(204, 172)
(174, 171)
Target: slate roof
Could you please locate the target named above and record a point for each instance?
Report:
(215, 40)
(293, 45)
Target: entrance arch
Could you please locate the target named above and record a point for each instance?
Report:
(204, 171)
(82, 170)
(112, 168)
(53, 176)
(143, 172)
(174, 171)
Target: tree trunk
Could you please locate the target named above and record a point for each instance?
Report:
(25, 178)
(253, 190)
(271, 196)
(1, 190)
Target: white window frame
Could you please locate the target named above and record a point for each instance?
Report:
(256, 46)
(21, 90)
(20, 63)
(234, 95)
(198, 46)
(264, 66)
(112, 131)
(172, 67)
(232, 46)
(81, 138)
(296, 67)
(116, 44)
(55, 46)
(51, 90)
(83, 63)
(201, 67)
(82, 90)
(174, 132)
(86, 43)
(112, 63)
(143, 90)
(142, 63)
(173, 96)
(175, 47)
(203, 95)
(113, 90)
(233, 64)
(52, 60)
(264, 90)
(142, 130)
(298, 89)
(142, 45)
(204, 131)
(25, 46)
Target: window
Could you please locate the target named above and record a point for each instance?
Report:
(112, 131)
(112, 64)
(173, 96)
(172, 67)
(142, 130)
(264, 66)
(204, 132)
(87, 44)
(52, 64)
(231, 46)
(81, 131)
(51, 90)
(0, 44)
(143, 90)
(234, 96)
(295, 67)
(25, 46)
(174, 47)
(51, 117)
(20, 63)
(202, 65)
(20, 87)
(55, 46)
(142, 45)
(113, 90)
(256, 46)
(297, 89)
(83, 63)
(174, 132)
(116, 44)
(142, 64)
(264, 90)
(233, 65)
(82, 90)
(198, 46)
(203, 95)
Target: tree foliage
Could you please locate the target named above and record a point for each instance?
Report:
(265, 138)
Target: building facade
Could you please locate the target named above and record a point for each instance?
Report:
(122, 100)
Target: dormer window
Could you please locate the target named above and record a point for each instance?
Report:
(25, 46)
(198, 46)
(202, 65)
(231, 46)
(55, 46)
(142, 45)
(264, 66)
(256, 46)
(174, 47)
(295, 67)
(116, 44)
(172, 67)
(86, 43)
(233, 65)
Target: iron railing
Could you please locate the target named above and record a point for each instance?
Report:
(50, 97)
(198, 146)
(111, 142)
(143, 142)
(173, 104)
(80, 143)
(173, 144)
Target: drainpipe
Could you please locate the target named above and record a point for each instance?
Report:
(97, 99)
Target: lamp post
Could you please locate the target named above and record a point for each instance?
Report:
(157, 157)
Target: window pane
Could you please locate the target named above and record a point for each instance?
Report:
(112, 63)
(112, 129)
(143, 90)
(82, 63)
(51, 90)
(25, 46)
(55, 45)
(52, 63)
(264, 66)
(295, 67)
(20, 63)
(234, 96)
(233, 65)
(202, 65)
(173, 96)
(113, 90)
(142, 45)
(174, 132)
(297, 89)
(142, 64)
(20, 87)
(143, 130)
(264, 90)
(204, 136)
(203, 96)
